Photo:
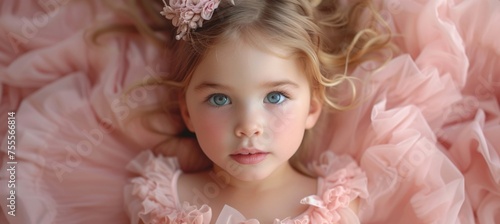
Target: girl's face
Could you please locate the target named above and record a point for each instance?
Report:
(249, 109)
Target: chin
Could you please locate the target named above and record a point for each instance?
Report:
(249, 173)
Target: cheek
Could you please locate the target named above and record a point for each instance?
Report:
(287, 130)
(287, 125)
(210, 127)
(287, 117)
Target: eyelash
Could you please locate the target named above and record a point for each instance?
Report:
(285, 94)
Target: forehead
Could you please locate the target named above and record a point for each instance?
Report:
(236, 61)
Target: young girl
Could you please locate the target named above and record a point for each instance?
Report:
(254, 75)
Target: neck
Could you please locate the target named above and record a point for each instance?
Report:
(278, 178)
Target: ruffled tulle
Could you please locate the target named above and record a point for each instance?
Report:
(426, 135)
(72, 145)
(342, 182)
(151, 197)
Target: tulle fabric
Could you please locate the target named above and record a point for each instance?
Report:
(151, 197)
(426, 136)
(72, 132)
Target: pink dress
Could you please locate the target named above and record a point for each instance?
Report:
(426, 135)
(152, 196)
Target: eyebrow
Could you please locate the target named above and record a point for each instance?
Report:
(273, 84)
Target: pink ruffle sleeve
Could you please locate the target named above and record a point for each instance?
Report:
(341, 181)
(427, 135)
(150, 197)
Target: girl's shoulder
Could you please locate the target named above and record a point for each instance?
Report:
(151, 195)
(340, 183)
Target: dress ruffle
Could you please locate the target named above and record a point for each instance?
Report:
(341, 181)
(427, 135)
(150, 197)
(71, 120)
(464, 41)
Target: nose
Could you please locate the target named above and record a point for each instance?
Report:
(249, 125)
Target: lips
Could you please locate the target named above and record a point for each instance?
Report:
(249, 156)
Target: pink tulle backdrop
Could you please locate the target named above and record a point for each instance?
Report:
(427, 137)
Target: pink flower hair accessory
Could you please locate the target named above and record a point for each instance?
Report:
(188, 15)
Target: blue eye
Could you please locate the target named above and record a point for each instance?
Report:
(275, 97)
(219, 99)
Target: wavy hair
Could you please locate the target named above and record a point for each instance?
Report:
(326, 37)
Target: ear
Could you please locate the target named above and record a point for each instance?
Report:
(314, 111)
(185, 113)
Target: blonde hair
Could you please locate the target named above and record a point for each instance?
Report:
(323, 36)
(326, 37)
